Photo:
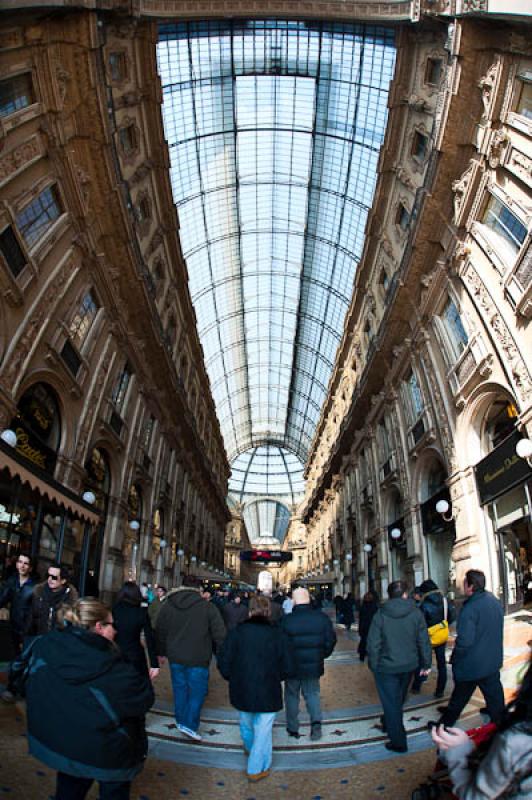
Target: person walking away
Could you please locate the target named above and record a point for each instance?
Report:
(288, 603)
(46, 599)
(155, 607)
(313, 639)
(506, 768)
(478, 651)
(368, 609)
(397, 643)
(86, 705)
(439, 613)
(234, 613)
(255, 657)
(338, 603)
(131, 619)
(187, 632)
(17, 592)
(348, 611)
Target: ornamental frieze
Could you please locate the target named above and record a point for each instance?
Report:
(21, 157)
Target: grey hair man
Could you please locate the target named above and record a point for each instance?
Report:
(313, 639)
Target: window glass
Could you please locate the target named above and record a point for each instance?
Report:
(433, 71)
(524, 103)
(12, 251)
(120, 390)
(455, 328)
(83, 319)
(39, 215)
(16, 93)
(504, 223)
(416, 398)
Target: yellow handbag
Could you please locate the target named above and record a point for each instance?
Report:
(439, 633)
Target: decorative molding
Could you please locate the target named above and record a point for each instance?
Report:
(20, 157)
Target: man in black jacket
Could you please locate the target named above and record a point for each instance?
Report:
(313, 639)
(17, 591)
(397, 643)
(478, 651)
(47, 597)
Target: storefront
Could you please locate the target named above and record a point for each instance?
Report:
(504, 483)
(440, 536)
(41, 517)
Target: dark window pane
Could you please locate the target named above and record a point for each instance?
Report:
(71, 357)
(12, 251)
(15, 93)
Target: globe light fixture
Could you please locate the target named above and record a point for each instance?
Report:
(89, 497)
(367, 548)
(523, 448)
(163, 543)
(193, 559)
(349, 556)
(9, 437)
(180, 553)
(395, 533)
(442, 507)
(134, 525)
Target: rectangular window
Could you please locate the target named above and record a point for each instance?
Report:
(416, 398)
(71, 357)
(455, 328)
(402, 218)
(117, 66)
(12, 251)
(148, 430)
(34, 220)
(127, 139)
(419, 145)
(504, 223)
(524, 102)
(83, 319)
(433, 71)
(16, 93)
(120, 390)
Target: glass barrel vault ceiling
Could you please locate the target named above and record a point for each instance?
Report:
(274, 130)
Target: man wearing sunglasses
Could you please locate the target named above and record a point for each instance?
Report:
(55, 591)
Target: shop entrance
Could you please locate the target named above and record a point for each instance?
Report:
(515, 562)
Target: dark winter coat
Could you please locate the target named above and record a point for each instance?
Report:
(313, 639)
(366, 614)
(86, 706)
(20, 599)
(234, 614)
(347, 609)
(44, 607)
(130, 621)
(478, 650)
(188, 628)
(398, 641)
(432, 606)
(255, 657)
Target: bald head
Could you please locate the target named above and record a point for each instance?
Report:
(300, 597)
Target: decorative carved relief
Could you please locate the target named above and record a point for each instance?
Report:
(20, 157)
(460, 189)
(498, 144)
(521, 165)
(62, 77)
(511, 355)
(487, 86)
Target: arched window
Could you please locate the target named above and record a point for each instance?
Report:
(99, 477)
(134, 503)
(500, 422)
(38, 426)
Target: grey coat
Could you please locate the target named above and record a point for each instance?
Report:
(504, 772)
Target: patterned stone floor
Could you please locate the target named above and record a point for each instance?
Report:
(354, 764)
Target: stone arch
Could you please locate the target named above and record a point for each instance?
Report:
(426, 460)
(53, 380)
(39, 424)
(471, 429)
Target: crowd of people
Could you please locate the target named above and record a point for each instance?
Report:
(99, 664)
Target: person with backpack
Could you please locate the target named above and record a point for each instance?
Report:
(439, 613)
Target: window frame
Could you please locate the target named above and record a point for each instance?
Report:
(43, 231)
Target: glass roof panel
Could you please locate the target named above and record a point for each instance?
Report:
(274, 130)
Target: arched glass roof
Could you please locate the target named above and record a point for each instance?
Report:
(268, 471)
(274, 130)
(266, 520)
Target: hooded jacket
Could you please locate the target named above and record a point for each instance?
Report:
(188, 628)
(86, 706)
(398, 641)
(432, 607)
(478, 650)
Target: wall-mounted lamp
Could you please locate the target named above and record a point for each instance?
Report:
(523, 449)
(180, 553)
(89, 497)
(134, 524)
(163, 543)
(336, 562)
(349, 556)
(193, 559)
(442, 507)
(367, 547)
(396, 533)
(9, 437)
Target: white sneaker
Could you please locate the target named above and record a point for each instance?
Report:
(190, 733)
(7, 696)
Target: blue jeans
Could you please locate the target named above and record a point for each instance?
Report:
(310, 687)
(190, 686)
(256, 733)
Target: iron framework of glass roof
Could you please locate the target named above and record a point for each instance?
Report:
(266, 519)
(274, 130)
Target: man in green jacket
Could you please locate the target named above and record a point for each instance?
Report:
(398, 643)
(188, 629)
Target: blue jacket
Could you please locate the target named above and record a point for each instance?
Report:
(478, 651)
(86, 706)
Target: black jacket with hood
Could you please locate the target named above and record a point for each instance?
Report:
(188, 628)
(86, 706)
(432, 606)
(398, 641)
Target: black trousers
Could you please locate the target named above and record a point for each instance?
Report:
(69, 787)
(392, 691)
(490, 687)
(439, 652)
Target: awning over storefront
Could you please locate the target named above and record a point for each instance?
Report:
(46, 486)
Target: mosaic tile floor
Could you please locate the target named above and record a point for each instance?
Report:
(349, 762)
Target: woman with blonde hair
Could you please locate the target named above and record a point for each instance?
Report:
(86, 705)
(255, 657)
